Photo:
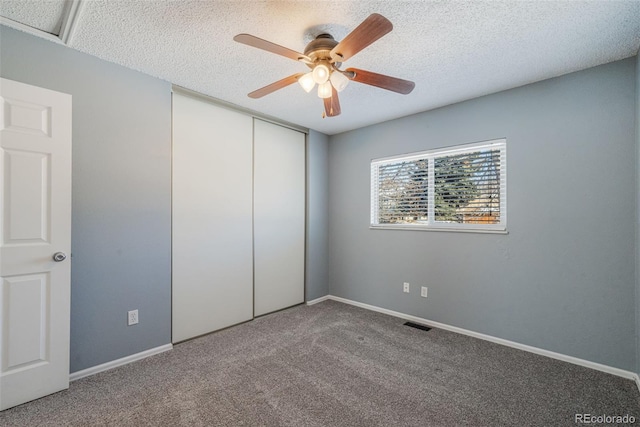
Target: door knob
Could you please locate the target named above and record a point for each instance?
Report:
(59, 256)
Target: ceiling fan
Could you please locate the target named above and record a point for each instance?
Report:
(324, 56)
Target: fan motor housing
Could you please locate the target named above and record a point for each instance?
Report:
(320, 49)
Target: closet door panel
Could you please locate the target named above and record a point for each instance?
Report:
(279, 217)
(212, 261)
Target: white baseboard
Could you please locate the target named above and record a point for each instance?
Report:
(119, 362)
(317, 300)
(563, 357)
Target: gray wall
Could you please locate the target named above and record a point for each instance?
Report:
(638, 212)
(121, 224)
(563, 279)
(317, 216)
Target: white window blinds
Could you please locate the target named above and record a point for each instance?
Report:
(459, 188)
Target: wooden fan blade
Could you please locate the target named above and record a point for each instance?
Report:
(332, 104)
(380, 80)
(254, 41)
(370, 30)
(275, 86)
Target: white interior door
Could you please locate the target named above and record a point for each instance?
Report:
(212, 273)
(35, 187)
(279, 217)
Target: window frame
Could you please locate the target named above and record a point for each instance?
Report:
(430, 156)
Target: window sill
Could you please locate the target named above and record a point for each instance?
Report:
(453, 230)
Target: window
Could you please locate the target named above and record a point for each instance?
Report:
(459, 188)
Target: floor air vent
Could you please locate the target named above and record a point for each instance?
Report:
(417, 326)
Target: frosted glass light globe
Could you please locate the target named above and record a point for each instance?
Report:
(307, 82)
(324, 90)
(320, 74)
(339, 81)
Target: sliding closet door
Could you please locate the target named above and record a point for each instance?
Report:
(279, 217)
(212, 218)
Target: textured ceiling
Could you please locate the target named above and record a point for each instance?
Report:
(45, 15)
(453, 50)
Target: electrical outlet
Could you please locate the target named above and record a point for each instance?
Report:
(423, 291)
(405, 287)
(132, 317)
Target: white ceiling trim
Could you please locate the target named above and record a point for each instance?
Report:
(70, 20)
(30, 30)
(71, 16)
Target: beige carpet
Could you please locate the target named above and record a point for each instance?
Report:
(335, 365)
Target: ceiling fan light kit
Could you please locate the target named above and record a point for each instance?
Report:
(324, 56)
